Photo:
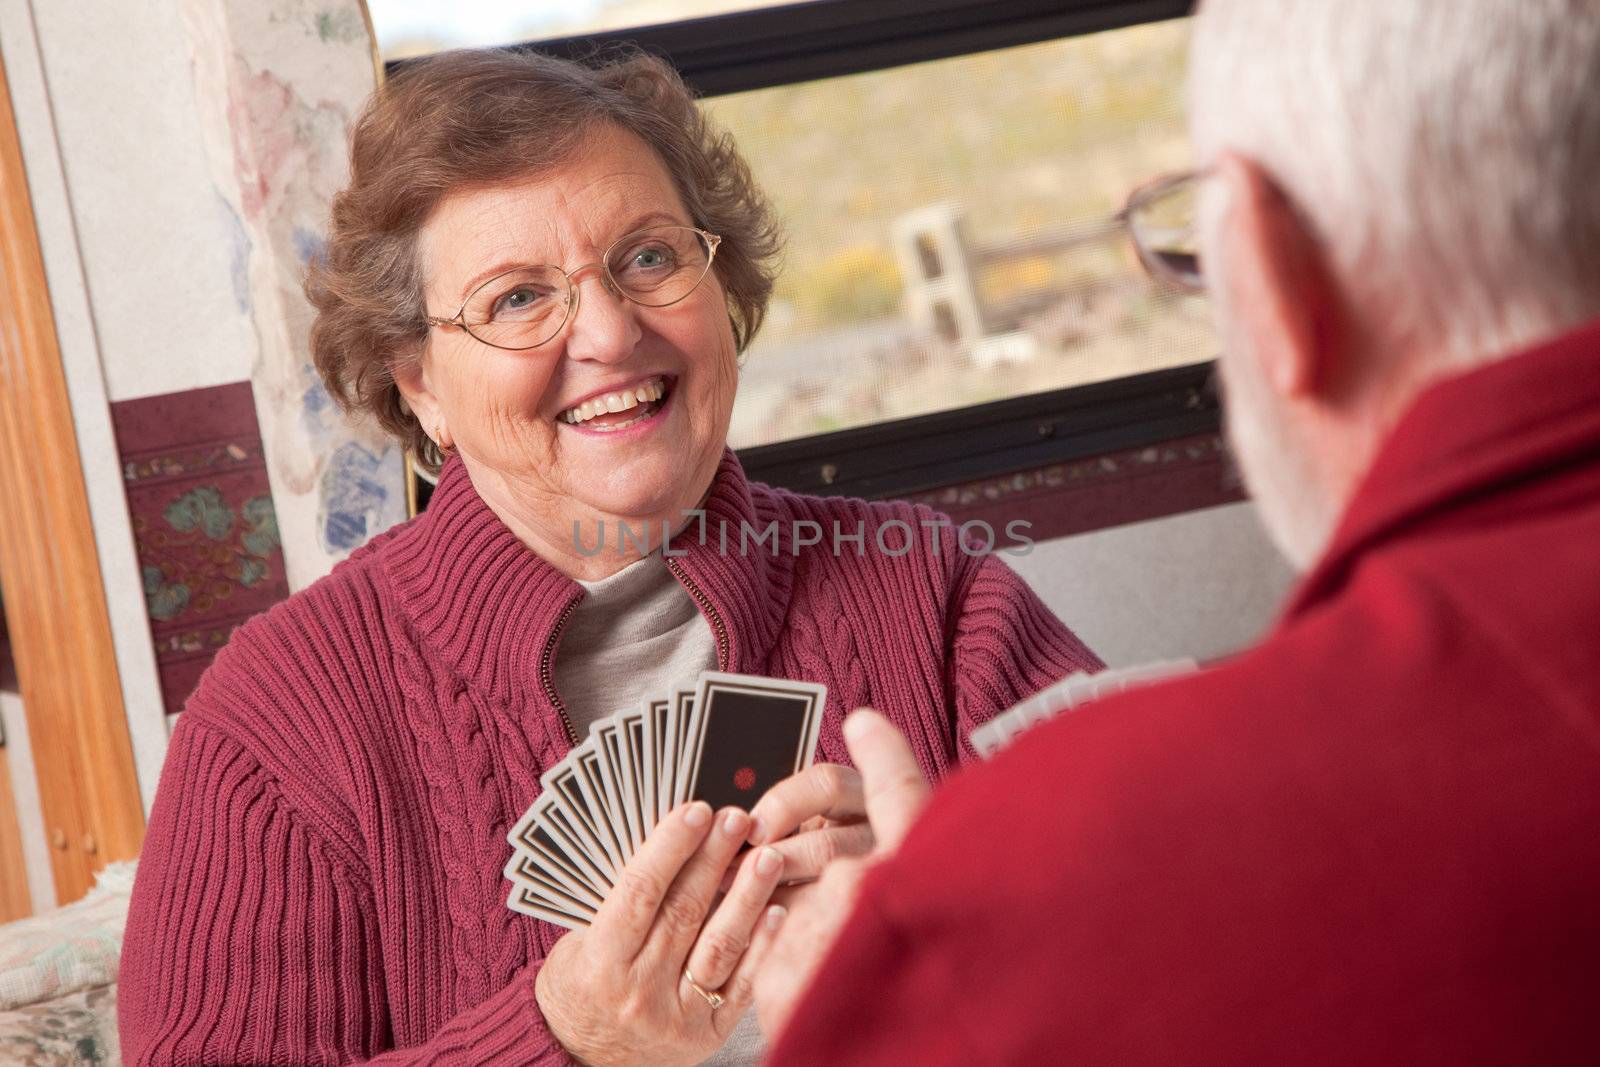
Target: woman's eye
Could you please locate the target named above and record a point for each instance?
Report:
(652, 258)
(519, 300)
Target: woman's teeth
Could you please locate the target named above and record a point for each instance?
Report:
(611, 403)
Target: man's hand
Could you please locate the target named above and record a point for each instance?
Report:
(893, 792)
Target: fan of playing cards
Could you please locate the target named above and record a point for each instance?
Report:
(725, 740)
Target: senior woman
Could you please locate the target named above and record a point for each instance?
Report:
(541, 275)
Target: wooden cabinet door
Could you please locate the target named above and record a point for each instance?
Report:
(15, 903)
(55, 601)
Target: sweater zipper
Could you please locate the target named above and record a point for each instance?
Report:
(547, 676)
(707, 609)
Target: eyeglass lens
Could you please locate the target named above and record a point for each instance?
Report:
(526, 307)
(1164, 226)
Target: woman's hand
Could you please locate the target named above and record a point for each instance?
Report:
(824, 803)
(615, 993)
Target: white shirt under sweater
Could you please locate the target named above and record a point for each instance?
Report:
(635, 634)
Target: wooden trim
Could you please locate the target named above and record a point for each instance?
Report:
(54, 598)
(15, 900)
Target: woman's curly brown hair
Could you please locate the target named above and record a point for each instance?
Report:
(469, 119)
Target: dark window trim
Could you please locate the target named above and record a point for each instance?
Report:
(830, 38)
(904, 457)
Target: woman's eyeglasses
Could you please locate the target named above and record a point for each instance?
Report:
(1162, 219)
(527, 306)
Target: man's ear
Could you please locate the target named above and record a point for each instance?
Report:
(411, 378)
(1280, 286)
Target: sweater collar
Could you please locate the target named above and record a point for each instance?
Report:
(493, 608)
(1514, 420)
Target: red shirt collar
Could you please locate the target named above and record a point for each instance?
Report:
(1522, 418)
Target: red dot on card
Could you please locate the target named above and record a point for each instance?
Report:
(744, 778)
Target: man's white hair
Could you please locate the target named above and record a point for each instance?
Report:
(1446, 152)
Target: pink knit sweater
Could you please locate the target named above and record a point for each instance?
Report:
(321, 876)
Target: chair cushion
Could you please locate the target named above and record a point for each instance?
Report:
(68, 950)
(80, 1027)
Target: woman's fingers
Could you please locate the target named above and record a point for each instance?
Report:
(807, 854)
(684, 907)
(826, 789)
(626, 917)
(726, 935)
(739, 989)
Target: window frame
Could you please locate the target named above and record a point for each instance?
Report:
(798, 42)
(816, 39)
(905, 457)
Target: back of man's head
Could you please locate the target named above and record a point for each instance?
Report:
(1446, 153)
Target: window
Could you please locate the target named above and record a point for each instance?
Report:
(408, 28)
(947, 234)
(954, 304)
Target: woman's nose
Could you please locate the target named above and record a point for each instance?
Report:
(604, 324)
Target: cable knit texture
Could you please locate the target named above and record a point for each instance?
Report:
(321, 876)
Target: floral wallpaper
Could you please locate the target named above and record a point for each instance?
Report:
(204, 525)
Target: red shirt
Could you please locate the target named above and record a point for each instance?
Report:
(1373, 839)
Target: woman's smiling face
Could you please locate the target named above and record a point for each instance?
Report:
(525, 422)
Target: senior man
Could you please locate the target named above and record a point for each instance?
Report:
(1376, 836)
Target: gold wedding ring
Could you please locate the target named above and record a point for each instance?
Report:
(712, 997)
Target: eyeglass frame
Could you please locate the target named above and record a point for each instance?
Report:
(574, 294)
(1142, 195)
